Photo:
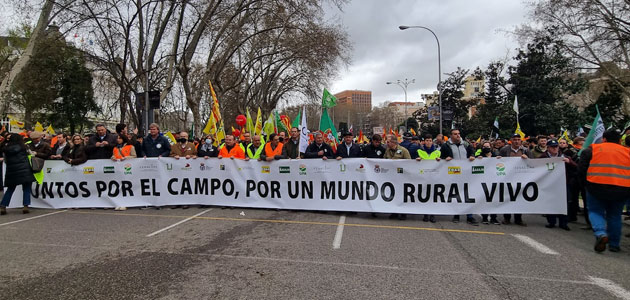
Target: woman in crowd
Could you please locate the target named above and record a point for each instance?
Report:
(18, 172)
(61, 148)
(123, 149)
(486, 151)
(76, 155)
(206, 149)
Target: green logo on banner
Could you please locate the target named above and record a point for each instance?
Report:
(285, 169)
(478, 169)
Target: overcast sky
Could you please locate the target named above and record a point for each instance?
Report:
(471, 33)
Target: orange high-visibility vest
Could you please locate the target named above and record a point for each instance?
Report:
(270, 152)
(126, 151)
(610, 165)
(236, 152)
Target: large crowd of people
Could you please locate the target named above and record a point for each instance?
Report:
(600, 176)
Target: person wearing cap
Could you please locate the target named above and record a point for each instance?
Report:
(37, 146)
(406, 140)
(553, 150)
(605, 170)
(348, 148)
(515, 149)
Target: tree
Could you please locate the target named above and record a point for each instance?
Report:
(542, 79)
(36, 35)
(609, 103)
(56, 83)
(595, 33)
(452, 94)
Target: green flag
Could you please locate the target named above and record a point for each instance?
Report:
(191, 133)
(328, 100)
(326, 123)
(596, 133)
(296, 121)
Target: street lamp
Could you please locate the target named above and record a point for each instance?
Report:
(439, 68)
(403, 84)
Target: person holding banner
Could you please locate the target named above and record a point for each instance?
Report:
(374, 149)
(123, 149)
(515, 149)
(457, 149)
(291, 148)
(319, 149)
(486, 151)
(428, 151)
(183, 148)
(273, 149)
(207, 149)
(155, 145)
(61, 148)
(101, 145)
(231, 149)
(348, 148)
(255, 148)
(395, 151)
(18, 172)
(38, 146)
(76, 155)
(553, 150)
(605, 169)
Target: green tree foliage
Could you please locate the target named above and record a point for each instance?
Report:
(56, 86)
(452, 93)
(542, 80)
(609, 103)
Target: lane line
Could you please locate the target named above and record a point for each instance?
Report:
(534, 244)
(178, 223)
(339, 233)
(294, 222)
(31, 218)
(610, 287)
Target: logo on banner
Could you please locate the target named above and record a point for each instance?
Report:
(478, 169)
(342, 167)
(148, 168)
(378, 169)
(454, 170)
(400, 170)
(88, 170)
(187, 167)
(48, 170)
(169, 167)
(524, 169)
(203, 167)
(361, 168)
(127, 168)
(70, 169)
(266, 170)
(222, 167)
(285, 169)
(551, 166)
(428, 171)
(501, 169)
(302, 169)
(109, 170)
(322, 170)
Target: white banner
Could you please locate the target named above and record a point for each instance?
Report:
(489, 185)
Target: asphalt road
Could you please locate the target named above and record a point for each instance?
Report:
(269, 254)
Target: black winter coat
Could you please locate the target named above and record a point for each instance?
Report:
(312, 151)
(77, 154)
(355, 151)
(104, 152)
(18, 168)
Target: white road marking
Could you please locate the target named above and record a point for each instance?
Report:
(31, 218)
(534, 244)
(178, 223)
(339, 234)
(610, 287)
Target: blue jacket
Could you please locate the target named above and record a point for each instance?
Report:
(158, 147)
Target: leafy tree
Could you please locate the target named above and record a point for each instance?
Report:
(452, 93)
(542, 80)
(57, 84)
(609, 103)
